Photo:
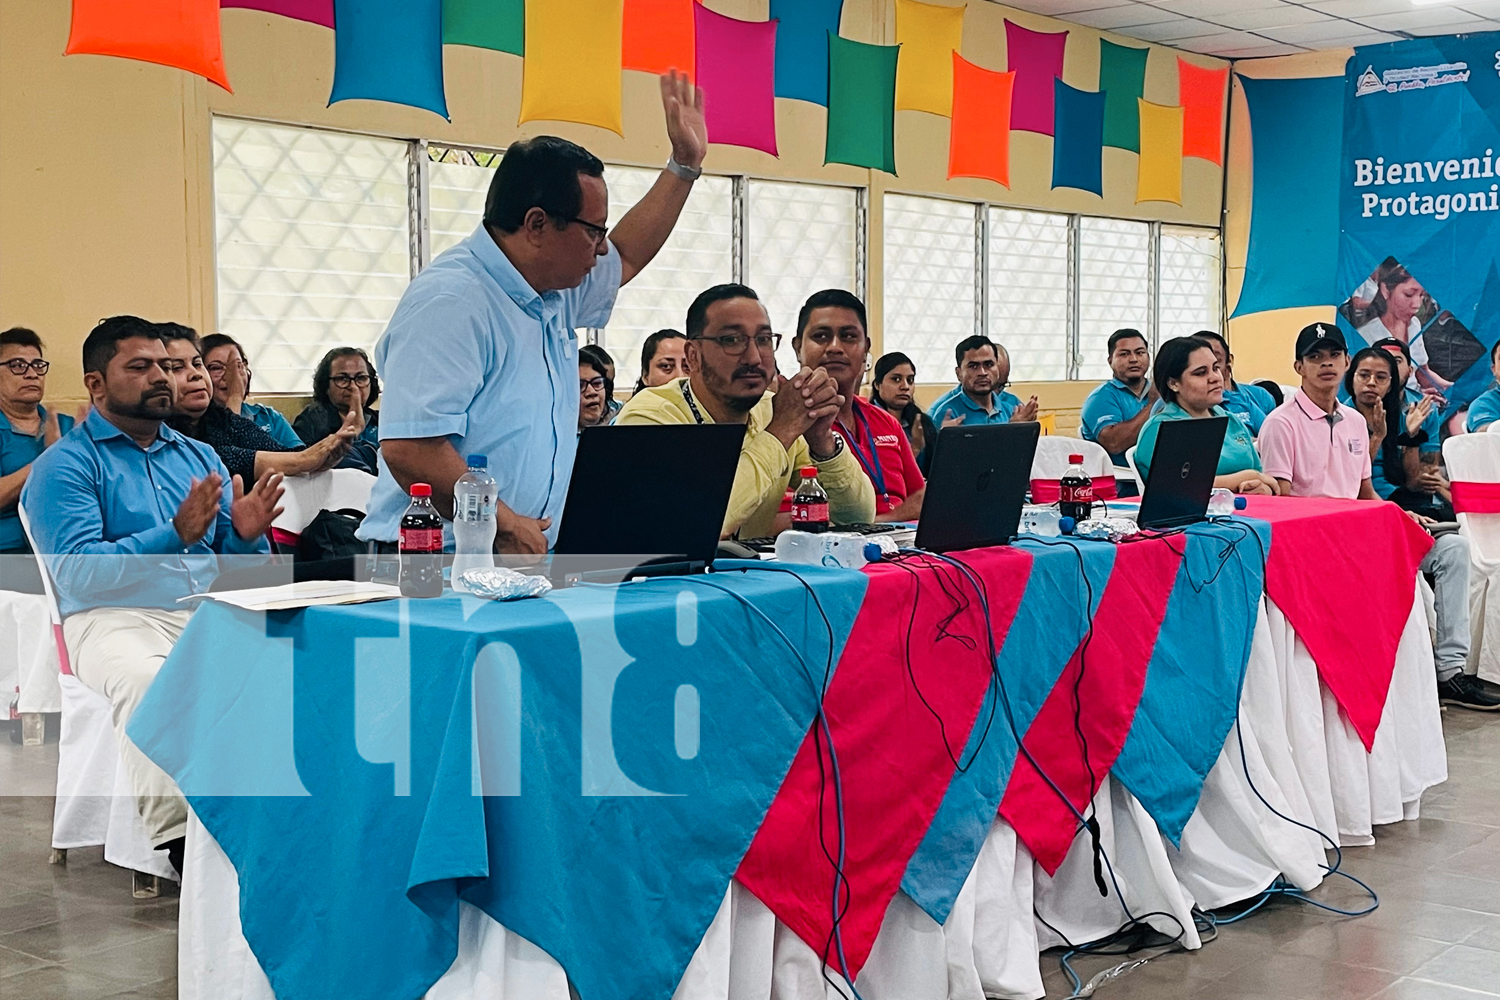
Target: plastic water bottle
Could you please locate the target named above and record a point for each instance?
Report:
(1043, 521)
(1076, 491)
(810, 503)
(421, 546)
(830, 548)
(473, 520)
(1221, 503)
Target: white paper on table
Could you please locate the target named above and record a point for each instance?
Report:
(307, 594)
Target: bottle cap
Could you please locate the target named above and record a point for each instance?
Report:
(1075, 459)
(1066, 525)
(1240, 503)
(872, 552)
(808, 472)
(478, 461)
(421, 490)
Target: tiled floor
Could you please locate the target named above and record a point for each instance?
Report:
(75, 933)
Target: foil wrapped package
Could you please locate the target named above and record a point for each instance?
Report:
(501, 584)
(1106, 529)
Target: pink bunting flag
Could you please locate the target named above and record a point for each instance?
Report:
(736, 63)
(1037, 59)
(311, 11)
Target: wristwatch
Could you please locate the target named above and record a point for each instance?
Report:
(688, 174)
(838, 448)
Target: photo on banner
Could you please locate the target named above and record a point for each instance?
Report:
(1419, 207)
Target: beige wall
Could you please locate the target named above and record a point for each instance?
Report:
(106, 177)
(1262, 342)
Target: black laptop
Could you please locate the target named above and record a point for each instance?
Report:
(1182, 472)
(978, 484)
(647, 498)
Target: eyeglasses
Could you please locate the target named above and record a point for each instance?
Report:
(1377, 377)
(599, 233)
(217, 368)
(19, 366)
(345, 381)
(596, 383)
(735, 344)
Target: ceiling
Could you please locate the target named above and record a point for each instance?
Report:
(1242, 29)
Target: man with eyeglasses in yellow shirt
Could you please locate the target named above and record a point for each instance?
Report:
(731, 354)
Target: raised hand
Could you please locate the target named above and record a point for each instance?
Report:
(1377, 429)
(234, 384)
(1417, 415)
(1025, 413)
(686, 127)
(51, 431)
(253, 513)
(789, 413)
(953, 419)
(198, 510)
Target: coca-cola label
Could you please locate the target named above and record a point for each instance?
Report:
(421, 540)
(809, 513)
(1082, 492)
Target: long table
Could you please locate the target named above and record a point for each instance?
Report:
(657, 816)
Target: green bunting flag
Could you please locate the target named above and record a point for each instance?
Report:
(861, 104)
(486, 24)
(1122, 79)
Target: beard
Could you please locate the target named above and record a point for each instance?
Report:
(723, 387)
(152, 404)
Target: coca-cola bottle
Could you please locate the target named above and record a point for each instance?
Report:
(421, 546)
(810, 503)
(1076, 491)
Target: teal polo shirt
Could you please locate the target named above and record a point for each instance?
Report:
(957, 402)
(1112, 403)
(1237, 455)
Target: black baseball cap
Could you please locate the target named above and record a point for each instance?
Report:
(1316, 335)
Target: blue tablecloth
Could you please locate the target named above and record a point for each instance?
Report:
(630, 740)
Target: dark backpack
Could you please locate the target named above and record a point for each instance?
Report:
(327, 548)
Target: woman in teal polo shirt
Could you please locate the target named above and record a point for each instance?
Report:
(1191, 383)
(26, 428)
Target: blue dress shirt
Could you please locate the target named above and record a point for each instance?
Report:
(18, 450)
(1112, 403)
(101, 510)
(1250, 403)
(270, 420)
(956, 402)
(475, 355)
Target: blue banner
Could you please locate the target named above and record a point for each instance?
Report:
(1419, 206)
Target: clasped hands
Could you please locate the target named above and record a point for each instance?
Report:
(805, 406)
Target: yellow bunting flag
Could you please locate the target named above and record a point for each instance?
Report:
(572, 70)
(1161, 154)
(928, 36)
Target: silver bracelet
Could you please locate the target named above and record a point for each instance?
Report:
(838, 448)
(688, 174)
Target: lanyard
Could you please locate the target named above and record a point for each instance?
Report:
(692, 404)
(871, 465)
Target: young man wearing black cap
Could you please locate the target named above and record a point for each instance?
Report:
(1317, 447)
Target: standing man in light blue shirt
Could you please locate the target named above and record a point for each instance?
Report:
(1114, 413)
(481, 355)
(983, 370)
(129, 516)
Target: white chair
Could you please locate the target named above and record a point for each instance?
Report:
(1135, 470)
(1051, 461)
(95, 805)
(305, 496)
(28, 662)
(1474, 459)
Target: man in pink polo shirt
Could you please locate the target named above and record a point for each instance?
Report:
(1317, 447)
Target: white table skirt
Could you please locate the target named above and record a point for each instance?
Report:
(1298, 750)
(28, 654)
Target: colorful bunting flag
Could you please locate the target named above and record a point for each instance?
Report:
(1122, 78)
(389, 50)
(802, 47)
(1201, 94)
(861, 104)
(311, 11)
(486, 24)
(659, 36)
(928, 36)
(183, 34)
(572, 69)
(1078, 151)
(737, 71)
(1037, 58)
(980, 142)
(1160, 176)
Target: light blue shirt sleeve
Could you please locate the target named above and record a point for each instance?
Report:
(434, 358)
(590, 304)
(1483, 411)
(270, 420)
(1100, 410)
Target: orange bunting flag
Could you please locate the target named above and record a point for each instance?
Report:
(183, 34)
(659, 36)
(1201, 94)
(979, 142)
